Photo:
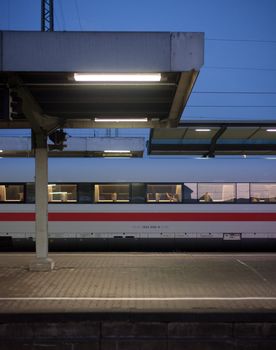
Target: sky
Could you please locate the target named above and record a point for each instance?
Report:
(238, 79)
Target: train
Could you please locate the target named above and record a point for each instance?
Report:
(173, 203)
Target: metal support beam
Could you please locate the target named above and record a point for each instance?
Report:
(42, 262)
(47, 15)
(31, 109)
(230, 124)
(211, 152)
(184, 89)
(197, 148)
(53, 123)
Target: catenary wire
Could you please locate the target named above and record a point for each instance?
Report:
(230, 106)
(78, 14)
(237, 92)
(62, 14)
(240, 68)
(242, 40)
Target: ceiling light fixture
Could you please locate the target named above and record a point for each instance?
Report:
(271, 130)
(203, 130)
(120, 120)
(116, 151)
(117, 77)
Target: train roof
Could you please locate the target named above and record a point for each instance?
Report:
(143, 170)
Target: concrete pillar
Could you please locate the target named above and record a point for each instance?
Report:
(42, 262)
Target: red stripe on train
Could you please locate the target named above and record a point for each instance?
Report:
(17, 216)
(143, 216)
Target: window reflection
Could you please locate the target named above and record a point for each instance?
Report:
(138, 193)
(112, 193)
(30, 192)
(242, 192)
(263, 193)
(62, 193)
(190, 192)
(218, 193)
(11, 193)
(164, 193)
(141, 193)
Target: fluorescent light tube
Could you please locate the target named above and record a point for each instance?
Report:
(203, 130)
(116, 151)
(120, 120)
(117, 77)
(271, 130)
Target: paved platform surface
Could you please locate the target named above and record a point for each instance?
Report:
(140, 282)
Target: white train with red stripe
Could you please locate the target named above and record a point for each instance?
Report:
(155, 203)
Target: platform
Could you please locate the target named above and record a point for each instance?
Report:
(126, 300)
(146, 282)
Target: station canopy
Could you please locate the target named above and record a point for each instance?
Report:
(212, 138)
(139, 79)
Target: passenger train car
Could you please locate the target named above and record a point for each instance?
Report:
(132, 204)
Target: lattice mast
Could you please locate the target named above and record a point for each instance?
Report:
(47, 15)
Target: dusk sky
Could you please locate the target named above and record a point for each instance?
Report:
(238, 80)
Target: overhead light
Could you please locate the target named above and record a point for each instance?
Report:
(120, 120)
(57, 192)
(117, 77)
(271, 130)
(203, 130)
(116, 151)
(108, 156)
(1, 150)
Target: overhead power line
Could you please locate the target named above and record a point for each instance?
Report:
(62, 14)
(229, 106)
(237, 92)
(78, 13)
(240, 68)
(227, 118)
(242, 40)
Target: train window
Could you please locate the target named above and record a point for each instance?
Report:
(263, 193)
(190, 192)
(242, 192)
(138, 193)
(164, 193)
(62, 193)
(30, 192)
(111, 193)
(85, 194)
(11, 193)
(216, 193)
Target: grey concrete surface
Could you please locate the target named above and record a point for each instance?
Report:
(101, 51)
(140, 282)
